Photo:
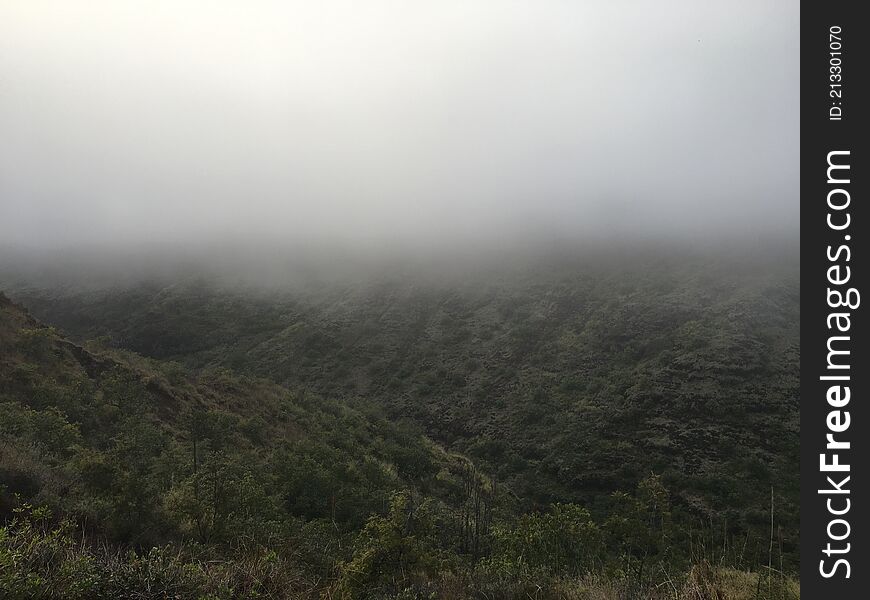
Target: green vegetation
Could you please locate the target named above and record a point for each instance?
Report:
(594, 434)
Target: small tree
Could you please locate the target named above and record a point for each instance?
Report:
(640, 525)
(390, 551)
(564, 540)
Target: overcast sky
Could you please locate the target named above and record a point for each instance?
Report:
(377, 122)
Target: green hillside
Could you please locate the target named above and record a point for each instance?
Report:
(143, 453)
(647, 412)
(567, 384)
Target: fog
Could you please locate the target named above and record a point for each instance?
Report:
(395, 126)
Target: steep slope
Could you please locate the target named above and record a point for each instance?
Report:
(146, 452)
(569, 388)
(566, 382)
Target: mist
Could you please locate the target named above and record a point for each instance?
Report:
(393, 128)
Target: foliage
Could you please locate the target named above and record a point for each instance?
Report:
(42, 560)
(563, 436)
(563, 541)
(391, 551)
(565, 381)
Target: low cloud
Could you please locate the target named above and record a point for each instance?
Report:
(388, 124)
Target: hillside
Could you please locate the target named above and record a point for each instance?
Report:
(141, 453)
(126, 477)
(564, 383)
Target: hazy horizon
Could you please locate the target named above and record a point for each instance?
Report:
(391, 127)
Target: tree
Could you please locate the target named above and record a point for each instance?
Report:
(639, 526)
(390, 551)
(564, 540)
